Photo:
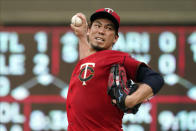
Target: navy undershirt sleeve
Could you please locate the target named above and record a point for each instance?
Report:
(150, 77)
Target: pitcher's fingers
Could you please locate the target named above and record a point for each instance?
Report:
(113, 101)
(83, 17)
(72, 27)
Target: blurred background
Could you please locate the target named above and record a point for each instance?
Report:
(59, 12)
(38, 52)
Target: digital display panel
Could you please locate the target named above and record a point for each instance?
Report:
(36, 64)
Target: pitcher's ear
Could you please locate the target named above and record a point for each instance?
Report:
(115, 39)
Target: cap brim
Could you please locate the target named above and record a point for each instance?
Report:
(104, 14)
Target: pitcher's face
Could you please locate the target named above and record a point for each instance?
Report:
(102, 35)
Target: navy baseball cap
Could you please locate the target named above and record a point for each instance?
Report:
(107, 13)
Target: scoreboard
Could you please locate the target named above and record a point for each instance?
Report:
(36, 64)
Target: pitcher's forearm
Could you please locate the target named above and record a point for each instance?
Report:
(143, 93)
(83, 48)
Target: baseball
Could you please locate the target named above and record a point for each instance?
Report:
(77, 21)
